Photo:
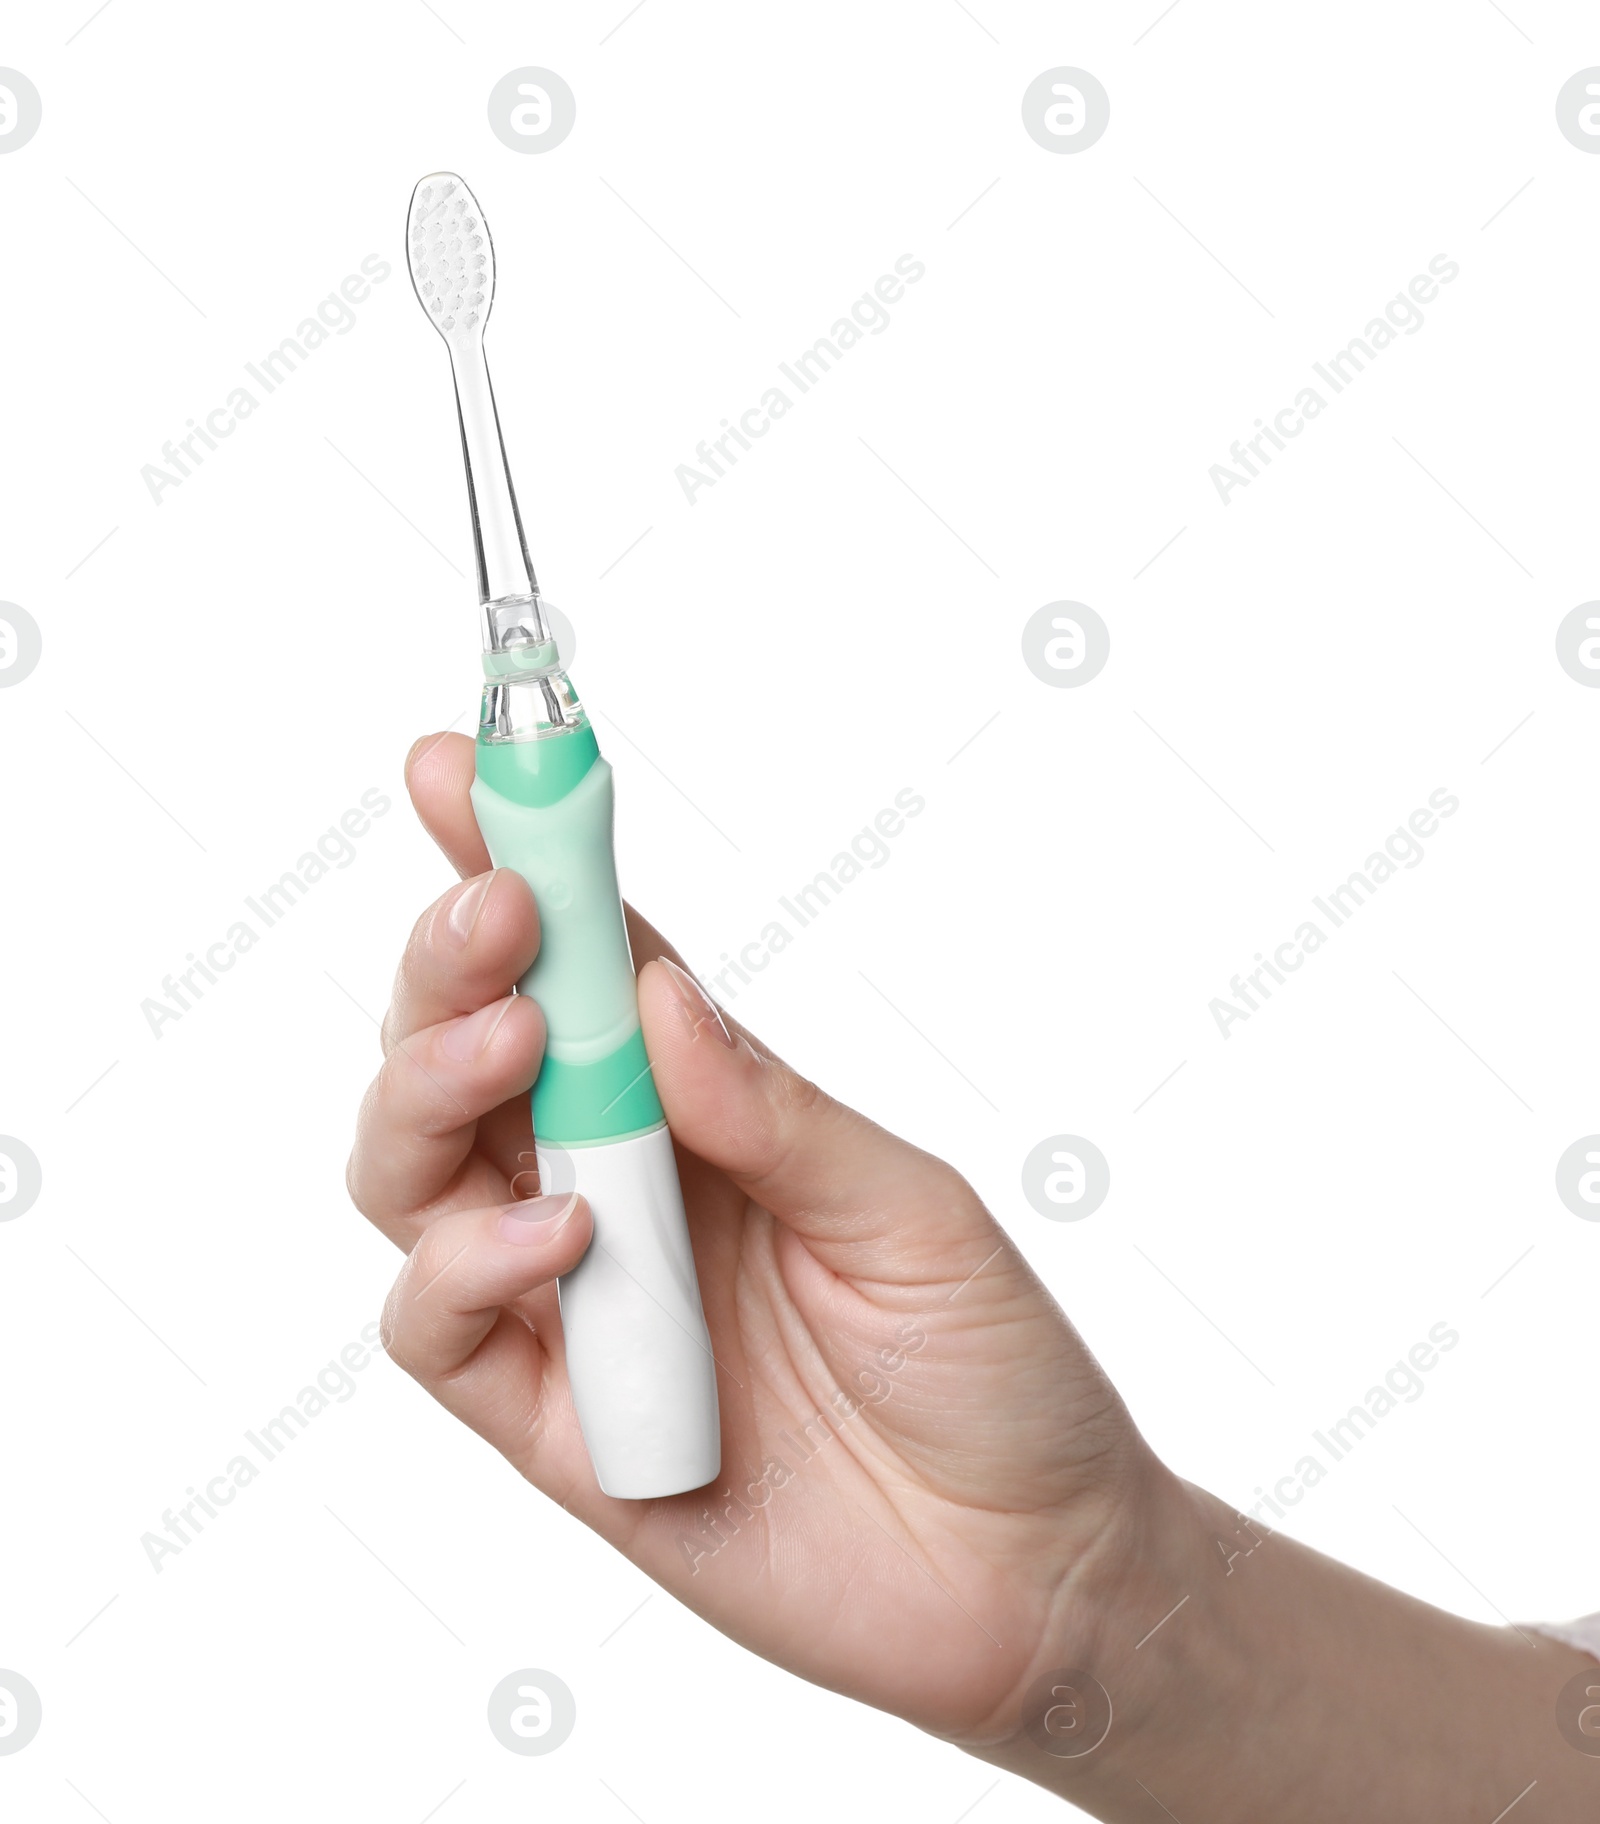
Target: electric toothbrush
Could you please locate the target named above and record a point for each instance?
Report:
(638, 1356)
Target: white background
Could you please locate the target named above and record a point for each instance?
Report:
(244, 660)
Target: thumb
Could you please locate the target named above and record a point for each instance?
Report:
(865, 1201)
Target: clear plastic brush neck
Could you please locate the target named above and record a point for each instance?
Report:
(507, 587)
(514, 622)
(526, 694)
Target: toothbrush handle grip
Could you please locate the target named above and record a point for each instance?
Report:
(638, 1355)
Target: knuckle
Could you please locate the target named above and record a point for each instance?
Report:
(389, 1328)
(944, 1185)
(352, 1177)
(356, 1172)
(414, 1096)
(798, 1096)
(409, 979)
(420, 941)
(789, 1107)
(945, 1195)
(386, 1085)
(420, 1268)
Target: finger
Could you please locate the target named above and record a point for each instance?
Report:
(645, 941)
(868, 1204)
(447, 1325)
(467, 949)
(439, 772)
(415, 1132)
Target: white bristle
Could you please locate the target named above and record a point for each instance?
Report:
(451, 255)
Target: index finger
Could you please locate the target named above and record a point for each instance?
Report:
(439, 772)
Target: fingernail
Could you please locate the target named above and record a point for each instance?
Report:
(468, 1038)
(414, 753)
(465, 907)
(698, 1004)
(536, 1220)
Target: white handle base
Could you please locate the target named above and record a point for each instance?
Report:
(638, 1356)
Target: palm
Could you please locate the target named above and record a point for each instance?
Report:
(896, 1544)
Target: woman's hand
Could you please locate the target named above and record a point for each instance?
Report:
(927, 1486)
(931, 1498)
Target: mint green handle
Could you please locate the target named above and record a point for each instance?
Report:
(545, 809)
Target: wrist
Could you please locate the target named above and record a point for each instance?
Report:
(1126, 1670)
(1235, 1667)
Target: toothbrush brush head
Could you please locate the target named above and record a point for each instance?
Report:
(451, 257)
